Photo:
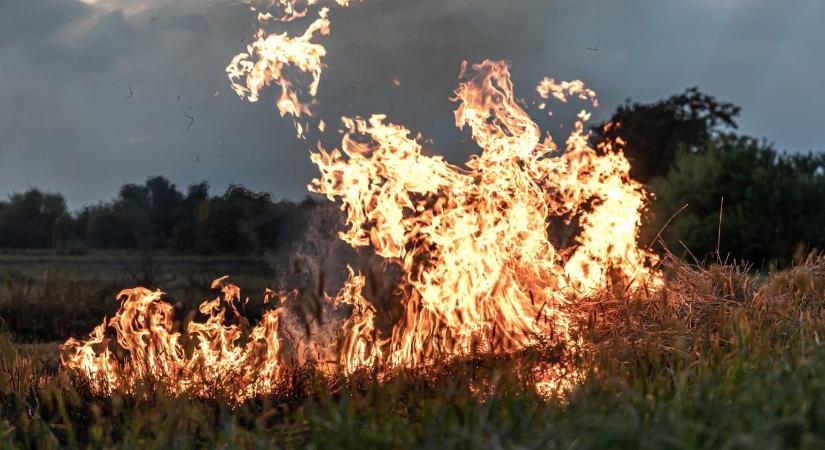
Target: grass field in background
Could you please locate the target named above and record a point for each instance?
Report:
(46, 297)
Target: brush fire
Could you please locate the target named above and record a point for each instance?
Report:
(480, 270)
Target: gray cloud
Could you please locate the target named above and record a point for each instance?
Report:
(38, 19)
(69, 123)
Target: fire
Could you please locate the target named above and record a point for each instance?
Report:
(561, 90)
(481, 271)
(474, 242)
(267, 58)
(275, 53)
(215, 359)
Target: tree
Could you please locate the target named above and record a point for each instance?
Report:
(165, 210)
(194, 212)
(156, 216)
(654, 133)
(233, 221)
(774, 204)
(29, 220)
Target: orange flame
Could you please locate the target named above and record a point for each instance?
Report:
(481, 270)
(274, 53)
(143, 327)
(480, 267)
(267, 58)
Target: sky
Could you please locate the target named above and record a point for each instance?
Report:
(98, 93)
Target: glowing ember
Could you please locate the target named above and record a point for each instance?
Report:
(481, 272)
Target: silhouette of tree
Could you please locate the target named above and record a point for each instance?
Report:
(29, 220)
(653, 133)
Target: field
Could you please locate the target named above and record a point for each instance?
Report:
(720, 358)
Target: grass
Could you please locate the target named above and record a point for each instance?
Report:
(44, 297)
(719, 359)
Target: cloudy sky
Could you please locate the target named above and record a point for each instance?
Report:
(97, 93)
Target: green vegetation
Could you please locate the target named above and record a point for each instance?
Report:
(684, 150)
(154, 216)
(654, 133)
(772, 205)
(719, 359)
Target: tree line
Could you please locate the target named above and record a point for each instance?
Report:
(155, 216)
(715, 194)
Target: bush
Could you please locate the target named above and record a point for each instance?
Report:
(774, 204)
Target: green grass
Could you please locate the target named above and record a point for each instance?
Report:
(719, 359)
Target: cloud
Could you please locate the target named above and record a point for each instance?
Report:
(94, 94)
(38, 19)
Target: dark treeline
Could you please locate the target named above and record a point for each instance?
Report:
(684, 149)
(154, 216)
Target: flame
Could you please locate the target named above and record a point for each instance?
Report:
(474, 245)
(267, 58)
(481, 270)
(561, 90)
(143, 327)
(274, 53)
(289, 10)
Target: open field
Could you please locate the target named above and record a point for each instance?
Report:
(719, 359)
(44, 297)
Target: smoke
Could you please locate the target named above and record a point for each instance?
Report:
(315, 270)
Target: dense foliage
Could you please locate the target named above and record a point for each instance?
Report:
(154, 216)
(772, 205)
(654, 133)
(32, 220)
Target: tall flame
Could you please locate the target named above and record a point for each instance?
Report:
(480, 269)
(475, 243)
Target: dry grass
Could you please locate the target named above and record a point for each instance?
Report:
(45, 297)
(721, 358)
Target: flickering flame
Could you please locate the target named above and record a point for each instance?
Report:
(481, 271)
(480, 268)
(143, 329)
(267, 58)
(274, 53)
(561, 90)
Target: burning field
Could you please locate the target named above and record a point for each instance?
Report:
(508, 303)
(479, 273)
(714, 357)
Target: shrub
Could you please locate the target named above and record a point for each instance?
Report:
(774, 204)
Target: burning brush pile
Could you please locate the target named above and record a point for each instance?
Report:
(479, 271)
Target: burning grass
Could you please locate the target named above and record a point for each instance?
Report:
(503, 339)
(718, 358)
